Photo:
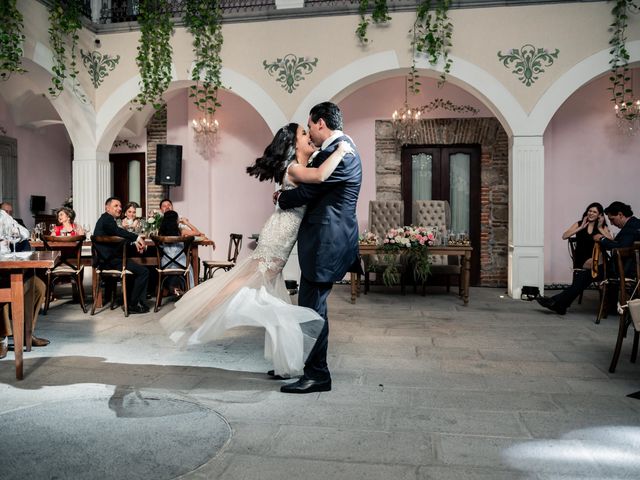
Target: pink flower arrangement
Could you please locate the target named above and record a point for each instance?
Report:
(408, 237)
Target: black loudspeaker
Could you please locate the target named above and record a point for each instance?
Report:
(168, 164)
(37, 203)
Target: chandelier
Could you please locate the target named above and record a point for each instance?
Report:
(628, 116)
(407, 121)
(206, 126)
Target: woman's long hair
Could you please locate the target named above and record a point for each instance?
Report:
(169, 225)
(600, 209)
(277, 156)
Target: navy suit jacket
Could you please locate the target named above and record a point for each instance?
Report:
(328, 235)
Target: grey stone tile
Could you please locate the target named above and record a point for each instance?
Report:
(470, 401)
(556, 425)
(424, 379)
(520, 383)
(471, 473)
(352, 445)
(244, 467)
(455, 422)
(557, 456)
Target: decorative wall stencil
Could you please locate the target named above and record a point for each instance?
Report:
(3, 131)
(290, 70)
(98, 65)
(528, 62)
(119, 142)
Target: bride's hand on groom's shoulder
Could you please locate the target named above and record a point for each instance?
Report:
(276, 195)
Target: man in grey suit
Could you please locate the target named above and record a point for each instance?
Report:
(328, 235)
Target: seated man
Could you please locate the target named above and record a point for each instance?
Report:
(6, 222)
(23, 245)
(184, 224)
(106, 225)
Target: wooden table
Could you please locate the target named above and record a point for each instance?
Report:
(21, 316)
(464, 252)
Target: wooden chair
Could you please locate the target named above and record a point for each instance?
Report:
(602, 285)
(70, 266)
(623, 257)
(212, 266)
(100, 257)
(174, 260)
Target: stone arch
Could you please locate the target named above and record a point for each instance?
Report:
(581, 73)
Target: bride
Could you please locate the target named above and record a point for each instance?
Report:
(254, 293)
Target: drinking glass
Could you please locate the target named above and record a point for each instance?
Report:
(52, 229)
(87, 230)
(14, 237)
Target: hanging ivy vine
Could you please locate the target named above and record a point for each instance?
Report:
(203, 19)
(154, 52)
(431, 36)
(11, 39)
(379, 16)
(621, 90)
(64, 25)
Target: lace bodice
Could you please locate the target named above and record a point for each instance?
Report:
(279, 235)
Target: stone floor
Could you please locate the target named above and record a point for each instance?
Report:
(423, 388)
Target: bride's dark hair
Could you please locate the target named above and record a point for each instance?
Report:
(277, 156)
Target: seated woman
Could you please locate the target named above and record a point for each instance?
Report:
(130, 221)
(66, 227)
(169, 227)
(593, 224)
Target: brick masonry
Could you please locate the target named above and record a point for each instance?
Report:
(494, 180)
(156, 133)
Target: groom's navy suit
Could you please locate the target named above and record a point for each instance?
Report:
(327, 240)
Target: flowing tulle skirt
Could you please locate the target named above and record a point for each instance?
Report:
(252, 294)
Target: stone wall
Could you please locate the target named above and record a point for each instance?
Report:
(156, 133)
(494, 181)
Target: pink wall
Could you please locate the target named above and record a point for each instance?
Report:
(44, 164)
(216, 194)
(586, 160)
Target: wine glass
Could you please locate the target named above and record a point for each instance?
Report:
(52, 229)
(14, 237)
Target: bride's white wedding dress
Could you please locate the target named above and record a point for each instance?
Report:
(253, 294)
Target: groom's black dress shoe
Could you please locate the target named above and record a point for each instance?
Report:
(273, 375)
(307, 385)
(551, 304)
(140, 308)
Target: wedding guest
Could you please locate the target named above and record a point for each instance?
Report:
(67, 227)
(106, 225)
(184, 223)
(131, 221)
(38, 286)
(586, 229)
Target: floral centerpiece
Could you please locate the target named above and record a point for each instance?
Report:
(412, 244)
(368, 238)
(152, 223)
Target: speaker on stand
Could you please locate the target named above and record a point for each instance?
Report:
(168, 165)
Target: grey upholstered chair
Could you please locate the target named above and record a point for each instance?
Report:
(436, 214)
(383, 215)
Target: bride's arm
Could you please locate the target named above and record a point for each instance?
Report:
(301, 174)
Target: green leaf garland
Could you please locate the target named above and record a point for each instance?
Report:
(11, 39)
(154, 52)
(203, 19)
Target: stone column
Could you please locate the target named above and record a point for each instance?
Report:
(91, 184)
(526, 214)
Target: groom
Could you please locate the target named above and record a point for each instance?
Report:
(328, 235)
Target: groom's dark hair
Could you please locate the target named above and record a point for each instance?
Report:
(329, 112)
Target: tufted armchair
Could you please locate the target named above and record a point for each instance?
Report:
(436, 214)
(383, 215)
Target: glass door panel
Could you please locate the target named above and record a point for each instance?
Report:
(421, 176)
(459, 191)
